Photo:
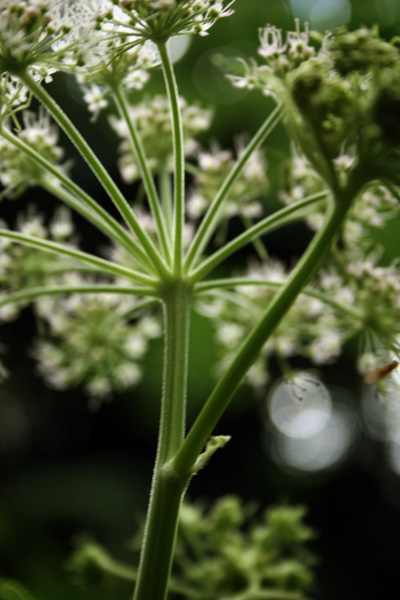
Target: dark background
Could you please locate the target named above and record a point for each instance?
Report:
(66, 471)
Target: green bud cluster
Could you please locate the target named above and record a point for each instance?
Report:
(341, 94)
(236, 554)
(326, 101)
(361, 51)
(350, 95)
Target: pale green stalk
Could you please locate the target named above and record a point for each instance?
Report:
(145, 173)
(210, 220)
(179, 157)
(83, 203)
(58, 290)
(279, 218)
(102, 265)
(166, 196)
(167, 489)
(98, 169)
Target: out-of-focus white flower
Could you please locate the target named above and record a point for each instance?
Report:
(244, 198)
(153, 123)
(17, 171)
(93, 343)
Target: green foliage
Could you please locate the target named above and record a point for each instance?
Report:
(361, 50)
(228, 553)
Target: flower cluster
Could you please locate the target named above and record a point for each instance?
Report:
(40, 37)
(159, 20)
(281, 57)
(42, 34)
(92, 341)
(153, 124)
(340, 91)
(17, 171)
(244, 198)
(112, 66)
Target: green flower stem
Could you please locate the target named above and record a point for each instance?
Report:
(166, 195)
(179, 156)
(145, 172)
(233, 282)
(258, 244)
(98, 169)
(102, 265)
(121, 236)
(210, 220)
(248, 352)
(279, 218)
(96, 214)
(57, 290)
(167, 489)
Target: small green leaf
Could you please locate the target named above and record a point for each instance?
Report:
(214, 443)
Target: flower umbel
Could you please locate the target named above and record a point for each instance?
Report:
(18, 172)
(161, 19)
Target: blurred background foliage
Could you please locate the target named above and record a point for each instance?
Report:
(66, 471)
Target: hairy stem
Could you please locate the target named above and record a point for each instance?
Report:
(167, 489)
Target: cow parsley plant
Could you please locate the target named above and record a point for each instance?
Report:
(338, 96)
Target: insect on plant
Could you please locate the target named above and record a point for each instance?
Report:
(376, 375)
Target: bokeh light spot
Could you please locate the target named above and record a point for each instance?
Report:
(301, 407)
(323, 450)
(324, 14)
(178, 46)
